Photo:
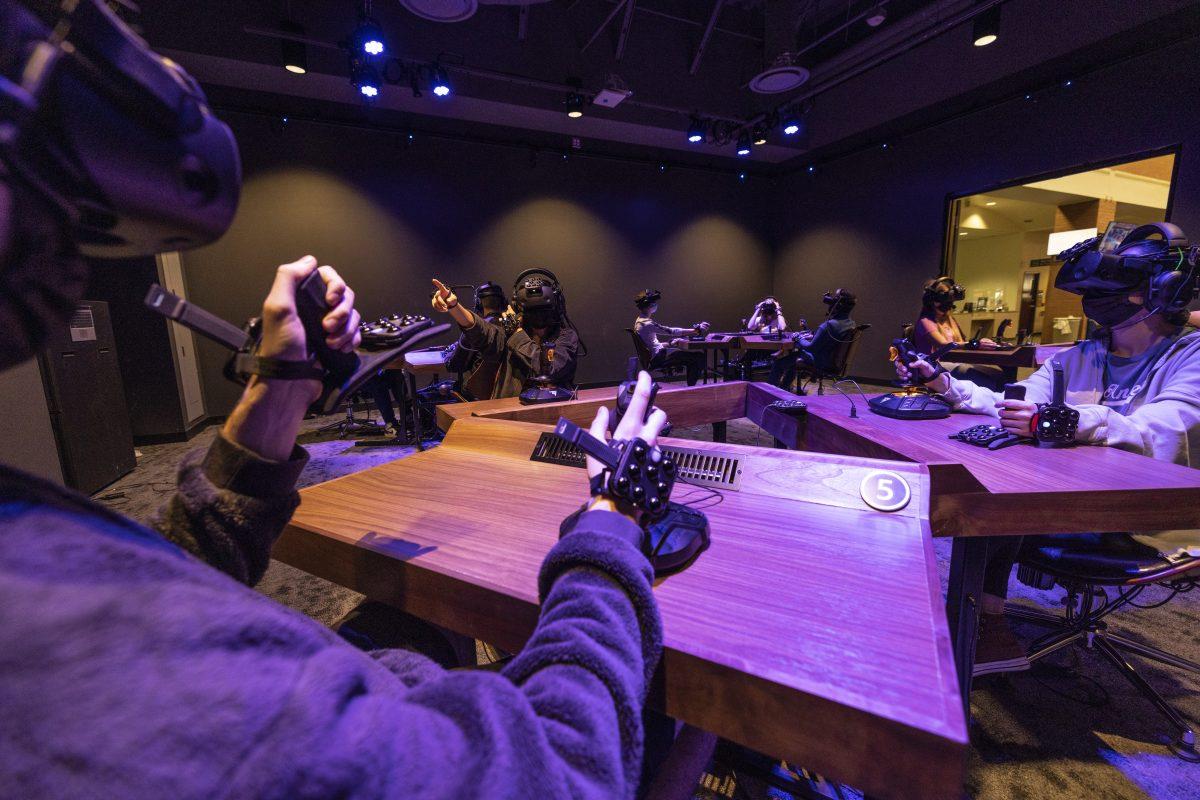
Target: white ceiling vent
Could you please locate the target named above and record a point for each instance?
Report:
(782, 76)
(442, 10)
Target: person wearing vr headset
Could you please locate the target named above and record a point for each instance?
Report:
(666, 355)
(936, 326)
(1135, 384)
(544, 347)
(479, 368)
(138, 663)
(814, 350)
(767, 317)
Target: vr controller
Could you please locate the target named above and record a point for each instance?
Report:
(341, 374)
(902, 350)
(1055, 423)
(634, 472)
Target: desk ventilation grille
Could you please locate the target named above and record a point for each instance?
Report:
(700, 467)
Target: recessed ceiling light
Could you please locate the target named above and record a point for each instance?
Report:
(990, 203)
(962, 233)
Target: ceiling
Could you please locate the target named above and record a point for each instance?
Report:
(511, 63)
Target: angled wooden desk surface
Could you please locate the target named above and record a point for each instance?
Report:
(1010, 360)
(811, 629)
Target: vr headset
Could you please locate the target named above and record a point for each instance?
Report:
(942, 290)
(1107, 265)
(538, 299)
(646, 298)
(769, 308)
(488, 289)
(839, 300)
(120, 140)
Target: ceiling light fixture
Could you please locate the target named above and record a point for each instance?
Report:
(877, 16)
(695, 133)
(791, 126)
(365, 78)
(986, 28)
(743, 145)
(574, 105)
(990, 203)
(368, 36)
(760, 135)
(441, 84)
(294, 53)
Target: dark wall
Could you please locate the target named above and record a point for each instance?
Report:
(875, 222)
(391, 214)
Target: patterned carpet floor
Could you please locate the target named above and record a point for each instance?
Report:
(1070, 728)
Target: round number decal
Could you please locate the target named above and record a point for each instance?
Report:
(885, 491)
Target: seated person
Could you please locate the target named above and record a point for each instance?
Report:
(767, 317)
(936, 326)
(815, 350)
(479, 368)
(543, 346)
(385, 387)
(137, 660)
(666, 355)
(1136, 385)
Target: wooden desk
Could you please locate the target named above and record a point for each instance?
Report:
(1025, 356)
(417, 362)
(811, 629)
(977, 493)
(719, 344)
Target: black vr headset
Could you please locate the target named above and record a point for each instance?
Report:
(1166, 264)
(538, 299)
(941, 291)
(646, 298)
(839, 300)
(489, 289)
(118, 139)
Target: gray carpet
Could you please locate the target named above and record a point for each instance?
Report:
(1072, 728)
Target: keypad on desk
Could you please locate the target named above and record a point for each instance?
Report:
(789, 407)
(387, 331)
(981, 435)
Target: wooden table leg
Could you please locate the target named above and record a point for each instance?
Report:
(968, 560)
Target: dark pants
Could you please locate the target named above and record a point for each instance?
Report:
(1002, 555)
(382, 388)
(783, 370)
(692, 360)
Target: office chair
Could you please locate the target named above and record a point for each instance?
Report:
(644, 357)
(840, 361)
(1084, 566)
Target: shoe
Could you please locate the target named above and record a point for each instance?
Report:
(393, 432)
(997, 649)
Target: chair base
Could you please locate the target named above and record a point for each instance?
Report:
(1093, 634)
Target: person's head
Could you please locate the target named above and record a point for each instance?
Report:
(538, 301)
(647, 301)
(1150, 277)
(839, 303)
(489, 299)
(769, 308)
(83, 174)
(939, 296)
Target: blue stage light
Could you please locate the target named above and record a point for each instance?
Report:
(696, 131)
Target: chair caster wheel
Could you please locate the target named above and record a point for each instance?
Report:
(1184, 748)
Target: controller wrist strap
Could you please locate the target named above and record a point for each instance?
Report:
(277, 368)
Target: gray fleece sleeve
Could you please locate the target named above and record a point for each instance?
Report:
(231, 506)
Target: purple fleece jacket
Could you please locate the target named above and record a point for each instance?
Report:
(130, 667)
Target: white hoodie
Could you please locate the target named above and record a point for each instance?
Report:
(1162, 422)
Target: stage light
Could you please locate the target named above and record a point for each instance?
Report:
(791, 126)
(987, 27)
(696, 131)
(441, 84)
(294, 53)
(365, 78)
(877, 16)
(574, 105)
(368, 37)
(811, 169)
(760, 134)
(743, 145)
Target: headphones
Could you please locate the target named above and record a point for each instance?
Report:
(488, 289)
(942, 290)
(646, 298)
(1166, 264)
(120, 140)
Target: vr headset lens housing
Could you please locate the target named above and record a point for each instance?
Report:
(118, 138)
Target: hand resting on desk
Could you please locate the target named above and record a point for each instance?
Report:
(630, 427)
